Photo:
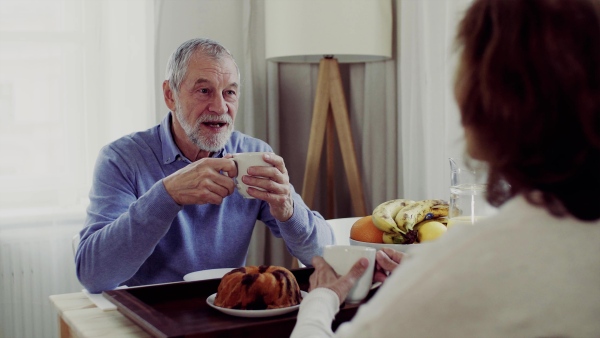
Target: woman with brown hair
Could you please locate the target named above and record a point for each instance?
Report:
(528, 89)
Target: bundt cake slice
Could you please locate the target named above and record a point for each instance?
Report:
(258, 288)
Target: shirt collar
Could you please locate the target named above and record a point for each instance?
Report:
(170, 151)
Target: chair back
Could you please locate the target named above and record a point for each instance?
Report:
(75, 243)
(341, 229)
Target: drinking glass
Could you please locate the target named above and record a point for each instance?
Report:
(467, 194)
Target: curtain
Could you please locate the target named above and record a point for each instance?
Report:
(429, 122)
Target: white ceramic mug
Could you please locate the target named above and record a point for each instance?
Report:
(243, 161)
(343, 257)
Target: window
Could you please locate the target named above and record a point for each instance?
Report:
(74, 75)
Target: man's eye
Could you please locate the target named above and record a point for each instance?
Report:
(231, 92)
(203, 90)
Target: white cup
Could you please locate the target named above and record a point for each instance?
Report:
(343, 257)
(243, 161)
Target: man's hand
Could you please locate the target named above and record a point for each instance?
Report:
(386, 261)
(324, 276)
(202, 182)
(276, 183)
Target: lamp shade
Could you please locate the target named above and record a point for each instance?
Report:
(350, 30)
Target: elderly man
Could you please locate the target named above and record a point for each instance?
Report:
(162, 202)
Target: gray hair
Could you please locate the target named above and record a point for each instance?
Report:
(177, 65)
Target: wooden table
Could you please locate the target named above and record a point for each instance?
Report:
(79, 317)
(172, 310)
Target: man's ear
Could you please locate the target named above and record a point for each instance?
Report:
(168, 95)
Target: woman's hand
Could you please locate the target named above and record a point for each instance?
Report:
(324, 276)
(386, 261)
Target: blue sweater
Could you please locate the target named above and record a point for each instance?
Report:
(135, 233)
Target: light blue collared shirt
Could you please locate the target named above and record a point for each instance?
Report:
(135, 233)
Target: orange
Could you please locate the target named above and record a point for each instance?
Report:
(365, 231)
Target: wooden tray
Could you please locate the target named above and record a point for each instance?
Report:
(180, 310)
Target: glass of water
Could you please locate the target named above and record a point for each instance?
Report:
(467, 195)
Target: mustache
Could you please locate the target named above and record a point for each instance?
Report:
(215, 118)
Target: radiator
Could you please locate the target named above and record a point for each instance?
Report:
(36, 261)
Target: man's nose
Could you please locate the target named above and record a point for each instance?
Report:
(218, 104)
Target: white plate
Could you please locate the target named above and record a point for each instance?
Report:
(252, 313)
(397, 247)
(206, 274)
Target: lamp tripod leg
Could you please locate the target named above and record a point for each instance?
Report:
(330, 91)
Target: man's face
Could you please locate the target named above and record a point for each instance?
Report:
(207, 102)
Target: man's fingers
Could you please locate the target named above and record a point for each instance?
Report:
(220, 187)
(224, 182)
(276, 161)
(202, 182)
(227, 166)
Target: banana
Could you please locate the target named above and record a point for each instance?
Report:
(412, 235)
(410, 215)
(391, 238)
(384, 214)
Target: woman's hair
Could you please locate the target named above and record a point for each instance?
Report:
(528, 88)
(178, 62)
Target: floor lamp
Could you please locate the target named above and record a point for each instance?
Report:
(329, 32)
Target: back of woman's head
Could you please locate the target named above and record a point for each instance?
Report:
(529, 90)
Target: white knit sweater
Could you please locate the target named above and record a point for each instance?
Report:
(520, 273)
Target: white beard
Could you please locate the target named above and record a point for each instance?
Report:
(211, 143)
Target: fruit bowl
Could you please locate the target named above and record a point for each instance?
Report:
(397, 247)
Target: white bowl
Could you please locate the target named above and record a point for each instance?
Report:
(397, 247)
